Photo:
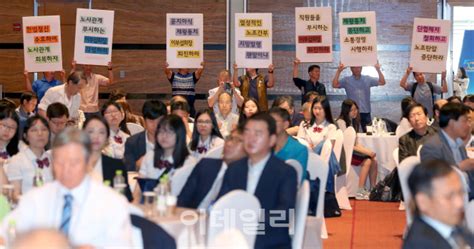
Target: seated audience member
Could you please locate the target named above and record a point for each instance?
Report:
(249, 108)
(9, 137)
(33, 160)
(170, 151)
(226, 120)
(137, 145)
(436, 108)
(321, 126)
(310, 96)
(103, 168)
(181, 109)
(361, 156)
(306, 110)
(28, 101)
(183, 83)
(205, 181)
(206, 134)
(44, 238)
(421, 91)
(272, 181)
(287, 103)
(119, 133)
(448, 145)
(454, 99)
(58, 116)
(90, 214)
(41, 86)
(118, 95)
(131, 117)
(409, 143)
(438, 195)
(66, 94)
(313, 84)
(287, 147)
(224, 84)
(469, 100)
(404, 127)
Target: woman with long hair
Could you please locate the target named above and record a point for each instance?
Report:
(33, 160)
(361, 156)
(9, 136)
(321, 125)
(102, 167)
(206, 134)
(115, 117)
(249, 108)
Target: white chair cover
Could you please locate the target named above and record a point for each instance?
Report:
(297, 166)
(339, 136)
(215, 153)
(179, 178)
(302, 202)
(134, 128)
(326, 150)
(345, 183)
(470, 215)
(403, 128)
(404, 170)
(395, 156)
(234, 206)
(132, 182)
(230, 239)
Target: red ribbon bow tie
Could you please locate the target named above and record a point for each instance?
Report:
(118, 139)
(163, 164)
(42, 163)
(202, 149)
(4, 155)
(317, 129)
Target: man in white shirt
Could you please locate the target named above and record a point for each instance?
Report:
(226, 120)
(87, 212)
(67, 94)
(439, 195)
(271, 180)
(225, 85)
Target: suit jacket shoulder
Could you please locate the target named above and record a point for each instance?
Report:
(423, 236)
(135, 147)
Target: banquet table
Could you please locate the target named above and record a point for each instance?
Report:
(383, 146)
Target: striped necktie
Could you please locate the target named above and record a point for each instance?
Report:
(67, 214)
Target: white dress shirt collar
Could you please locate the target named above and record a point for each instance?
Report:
(149, 145)
(453, 144)
(254, 173)
(78, 193)
(444, 230)
(31, 156)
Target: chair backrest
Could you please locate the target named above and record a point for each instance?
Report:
(132, 181)
(235, 206)
(215, 153)
(318, 168)
(134, 128)
(339, 135)
(179, 178)
(230, 239)
(349, 142)
(326, 150)
(297, 166)
(152, 235)
(404, 170)
(402, 130)
(470, 215)
(419, 150)
(395, 156)
(302, 202)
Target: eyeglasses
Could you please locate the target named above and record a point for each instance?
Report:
(204, 122)
(58, 123)
(7, 127)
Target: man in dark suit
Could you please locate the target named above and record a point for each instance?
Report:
(438, 194)
(448, 144)
(272, 181)
(205, 180)
(137, 145)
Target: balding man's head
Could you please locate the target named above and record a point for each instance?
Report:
(41, 239)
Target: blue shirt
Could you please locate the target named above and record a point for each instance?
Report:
(41, 86)
(359, 90)
(294, 150)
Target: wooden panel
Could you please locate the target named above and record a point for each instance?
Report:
(11, 12)
(143, 21)
(11, 70)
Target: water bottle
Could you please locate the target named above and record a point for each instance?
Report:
(107, 183)
(386, 193)
(162, 192)
(38, 180)
(374, 125)
(119, 182)
(11, 233)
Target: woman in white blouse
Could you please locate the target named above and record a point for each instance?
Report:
(9, 124)
(115, 117)
(206, 134)
(321, 126)
(170, 151)
(22, 167)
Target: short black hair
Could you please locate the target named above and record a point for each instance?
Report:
(468, 98)
(30, 122)
(415, 105)
(180, 105)
(406, 102)
(28, 96)
(282, 113)
(310, 68)
(153, 109)
(452, 111)
(57, 110)
(454, 99)
(423, 174)
(75, 77)
(282, 99)
(264, 117)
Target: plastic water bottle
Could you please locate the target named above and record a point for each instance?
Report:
(11, 233)
(119, 181)
(162, 192)
(38, 180)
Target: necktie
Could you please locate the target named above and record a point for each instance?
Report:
(163, 164)
(317, 129)
(43, 163)
(118, 139)
(201, 149)
(458, 238)
(67, 214)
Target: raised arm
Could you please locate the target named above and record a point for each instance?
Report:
(271, 77)
(199, 71)
(168, 71)
(296, 63)
(28, 85)
(335, 81)
(238, 97)
(111, 73)
(379, 72)
(213, 99)
(404, 80)
(235, 78)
